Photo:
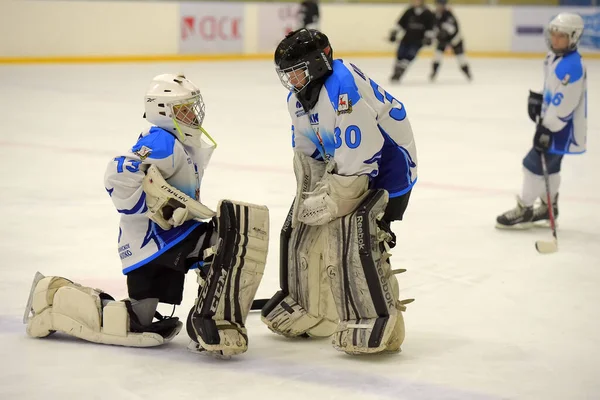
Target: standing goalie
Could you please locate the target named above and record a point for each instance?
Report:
(448, 35)
(560, 113)
(355, 164)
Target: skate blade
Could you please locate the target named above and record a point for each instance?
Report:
(544, 223)
(546, 247)
(36, 279)
(516, 227)
(194, 347)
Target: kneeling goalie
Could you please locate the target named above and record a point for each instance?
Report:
(164, 232)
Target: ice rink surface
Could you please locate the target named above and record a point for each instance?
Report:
(492, 318)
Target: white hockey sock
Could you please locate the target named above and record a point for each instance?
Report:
(437, 56)
(533, 187)
(462, 60)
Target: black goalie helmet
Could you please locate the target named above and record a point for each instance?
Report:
(303, 56)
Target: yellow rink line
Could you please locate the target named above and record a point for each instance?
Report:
(238, 57)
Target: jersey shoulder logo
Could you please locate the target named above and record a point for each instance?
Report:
(143, 153)
(566, 79)
(344, 104)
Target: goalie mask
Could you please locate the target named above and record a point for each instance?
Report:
(175, 104)
(303, 56)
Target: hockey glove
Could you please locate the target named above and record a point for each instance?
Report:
(542, 140)
(443, 37)
(534, 105)
(393, 35)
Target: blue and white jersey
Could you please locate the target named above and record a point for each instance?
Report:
(140, 239)
(359, 126)
(564, 111)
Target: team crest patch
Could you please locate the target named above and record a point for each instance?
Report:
(566, 79)
(344, 104)
(143, 153)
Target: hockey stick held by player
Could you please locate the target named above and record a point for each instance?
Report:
(561, 123)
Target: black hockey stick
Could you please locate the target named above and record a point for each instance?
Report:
(542, 246)
(258, 304)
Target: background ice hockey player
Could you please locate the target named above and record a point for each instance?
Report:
(447, 33)
(562, 127)
(164, 231)
(418, 23)
(308, 14)
(354, 149)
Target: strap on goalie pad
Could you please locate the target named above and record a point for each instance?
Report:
(308, 173)
(226, 294)
(304, 306)
(364, 286)
(58, 304)
(160, 194)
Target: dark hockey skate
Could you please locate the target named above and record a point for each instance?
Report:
(520, 217)
(541, 216)
(398, 72)
(434, 71)
(465, 69)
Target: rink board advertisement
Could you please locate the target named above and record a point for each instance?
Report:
(529, 24)
(211, 28)
(275, 20)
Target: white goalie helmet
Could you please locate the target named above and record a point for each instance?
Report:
(175, 104)
(568, 23)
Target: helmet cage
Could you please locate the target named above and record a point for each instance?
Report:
(188, 112)
(294, 80)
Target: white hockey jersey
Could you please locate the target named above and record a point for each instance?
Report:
(359, 126)
(564, 111)
(140, 239)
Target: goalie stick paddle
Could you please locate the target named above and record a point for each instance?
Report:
(543, 246)
(258, 304)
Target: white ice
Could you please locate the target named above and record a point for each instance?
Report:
(492, 317)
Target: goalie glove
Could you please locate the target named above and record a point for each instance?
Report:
(334, 196)
(169, 206)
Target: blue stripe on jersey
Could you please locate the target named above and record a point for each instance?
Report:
(167, 246)
(159, 141)
(317, 155)
(563, 139)
(394, 168)
(341, 81)
(570, 65)
(140, 205)
(289, 95)
(403, 191)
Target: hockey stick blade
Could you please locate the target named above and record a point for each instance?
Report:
(546, 247)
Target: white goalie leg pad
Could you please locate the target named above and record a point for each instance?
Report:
(57, 304)
(308, 173)
(217, 321)
(334, 197)
(364, 287)
(160, 194)
(304, 306)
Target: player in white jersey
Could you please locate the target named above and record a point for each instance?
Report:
(354, 149)
(165, 231)
(561, 116)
